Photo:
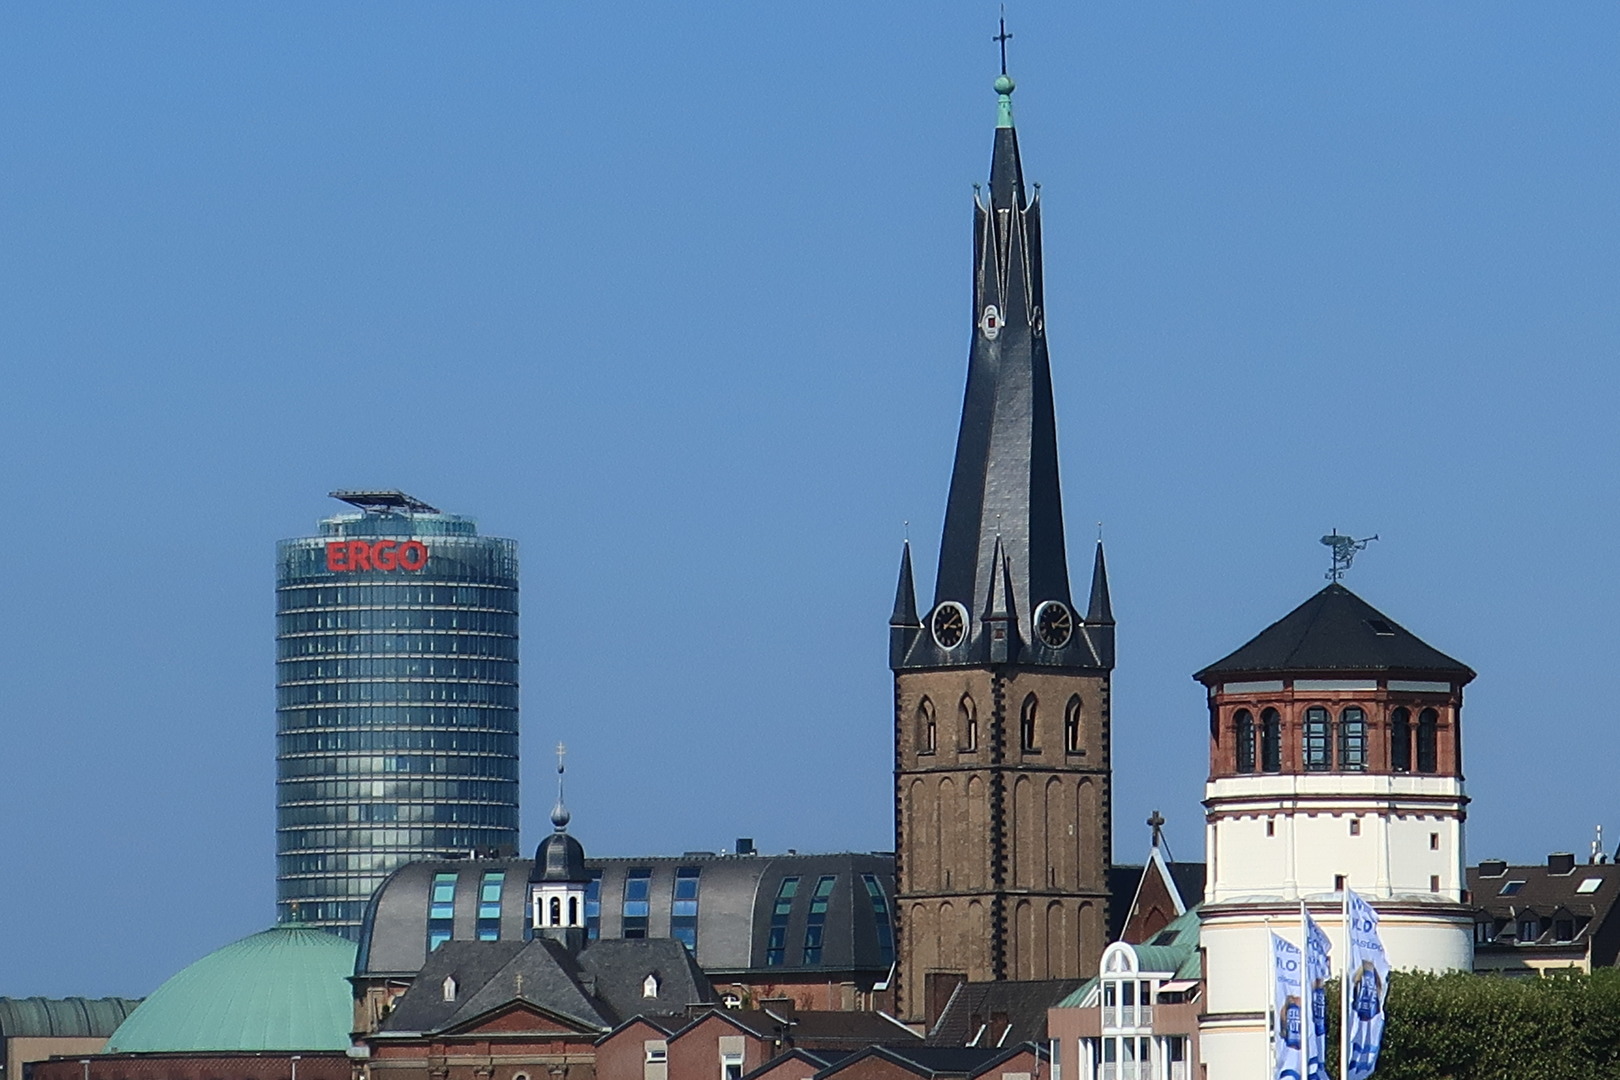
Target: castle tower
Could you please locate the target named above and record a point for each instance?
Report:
(1001, 691)
(1335, 759)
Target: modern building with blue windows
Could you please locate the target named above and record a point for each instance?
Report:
(397, 705)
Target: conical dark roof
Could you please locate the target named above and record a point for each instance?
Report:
(1336, 630)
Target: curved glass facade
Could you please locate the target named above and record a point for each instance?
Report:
(396, 705)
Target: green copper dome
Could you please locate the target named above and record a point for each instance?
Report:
(283, 989)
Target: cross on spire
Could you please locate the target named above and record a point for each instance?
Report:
(1002, 39)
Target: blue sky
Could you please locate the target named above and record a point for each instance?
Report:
(677, 295)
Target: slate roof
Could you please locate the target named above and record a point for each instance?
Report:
(597, 989)
(816, 1029)
(816, 1059)
(63, 1017)
(1011, 1011)
(1549, 896)
(1335, 630)
(1123, 880)
(931, 1061)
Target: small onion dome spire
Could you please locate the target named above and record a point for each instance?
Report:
(559, 813)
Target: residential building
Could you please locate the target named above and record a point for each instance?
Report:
(1555, 915)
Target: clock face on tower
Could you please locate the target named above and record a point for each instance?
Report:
(1054, 624)
(949, 624)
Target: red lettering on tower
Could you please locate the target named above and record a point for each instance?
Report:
(349, 555)
(382, 554)
(412, 555)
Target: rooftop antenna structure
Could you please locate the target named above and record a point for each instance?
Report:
(374, 501)
(1344, 551)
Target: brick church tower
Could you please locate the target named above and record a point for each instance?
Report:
(1002, 688)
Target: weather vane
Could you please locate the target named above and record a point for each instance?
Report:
(1344, 551)
(1002, 39)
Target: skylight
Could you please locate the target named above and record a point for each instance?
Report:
(1167, 937)
(1381, 628)
(1590, 885)
(1511, 888)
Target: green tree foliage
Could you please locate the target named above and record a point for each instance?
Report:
(1486, 1027)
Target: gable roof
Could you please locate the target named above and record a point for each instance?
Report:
(595, 990)
(1335, 630)
(1156, 902)
(811, 1029)
(939, 1061)
(1021, 1004)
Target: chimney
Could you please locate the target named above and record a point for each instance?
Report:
(745, 845)
(1492, 867)
(1561, 863)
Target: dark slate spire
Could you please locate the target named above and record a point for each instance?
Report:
(1001, 611)
(1101, 610)
(903, 624)
(1005, 481)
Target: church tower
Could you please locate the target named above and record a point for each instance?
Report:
(1001, 689)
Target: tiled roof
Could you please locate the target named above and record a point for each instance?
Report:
(1009, 1011)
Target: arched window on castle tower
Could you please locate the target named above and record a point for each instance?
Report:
(1428, 741)
(970, 724)
(1271, 741)
(1318, 740)
(1071, 727)
(1243, 727)
(1400, 740)
(1352, 739)
(927, 734)
(1026, 724)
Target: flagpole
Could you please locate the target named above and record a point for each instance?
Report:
(1271, 1003)
(1344, 990)
(1305, 996)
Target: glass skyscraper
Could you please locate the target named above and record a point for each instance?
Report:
(397, 702)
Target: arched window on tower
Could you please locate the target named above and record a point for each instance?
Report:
(1026, 724)
(1318, 740)
(1400, 740)
(556, 911)
(1270, 741)
(1071, 727)
(970, 724)
(1428, 741)
(1352, 739)
(927, 735)
(1243, 726)
(573, 911)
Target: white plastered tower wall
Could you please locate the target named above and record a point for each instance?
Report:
(1335, 761)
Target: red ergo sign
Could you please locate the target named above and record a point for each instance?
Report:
(382, 555)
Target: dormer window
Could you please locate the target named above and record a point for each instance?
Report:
(649, 986)
(449, 988)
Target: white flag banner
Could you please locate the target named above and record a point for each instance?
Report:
(1366, 973)
(1287, 972)
(1318, 969)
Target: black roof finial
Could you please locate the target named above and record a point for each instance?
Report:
(1002, 39)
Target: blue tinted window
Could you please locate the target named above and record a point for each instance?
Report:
(442, 910)
(489, 906)
(593, 906)
(776, 945)
(637, 885)
(683, 909)
(880, 914)
(816, 921)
